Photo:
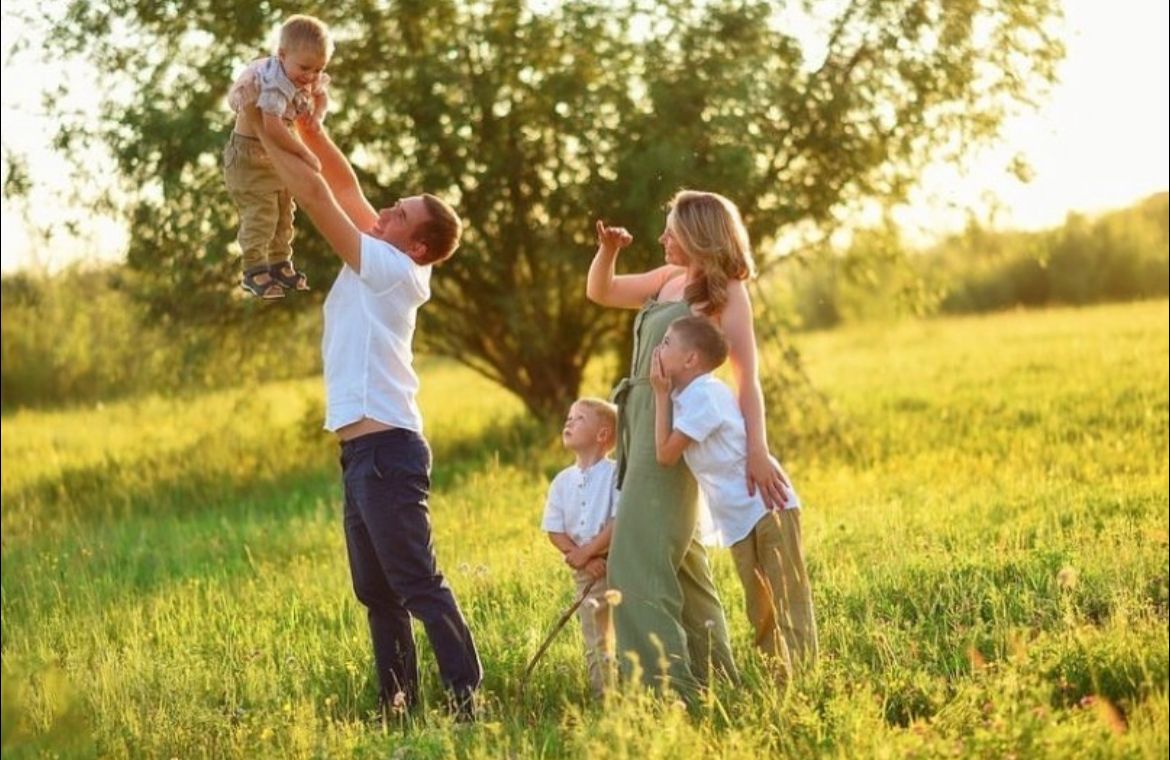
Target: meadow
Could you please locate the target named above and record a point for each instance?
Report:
(988, 555)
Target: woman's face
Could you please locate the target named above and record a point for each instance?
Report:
(674, 251)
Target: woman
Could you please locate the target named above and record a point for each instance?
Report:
(671, 620)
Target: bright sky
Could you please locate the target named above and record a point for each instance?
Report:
(1102, 140)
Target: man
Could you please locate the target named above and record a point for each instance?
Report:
(370, 387)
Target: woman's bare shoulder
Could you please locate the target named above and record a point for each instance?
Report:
(672, 282)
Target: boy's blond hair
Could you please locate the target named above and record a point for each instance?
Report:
(702, 336)
(302, 31)
(606, 412)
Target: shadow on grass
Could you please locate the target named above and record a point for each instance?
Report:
(239, 478)
(126, 527)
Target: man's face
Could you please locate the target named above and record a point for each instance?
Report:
(396, 224)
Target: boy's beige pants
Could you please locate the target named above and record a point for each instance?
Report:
(266, 207)
(597, 630)
(770, 563)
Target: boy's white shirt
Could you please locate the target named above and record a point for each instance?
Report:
(707, 412)
(581, 501)
(366, 347)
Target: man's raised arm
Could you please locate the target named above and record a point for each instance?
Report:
(315, 197)
(338, 173)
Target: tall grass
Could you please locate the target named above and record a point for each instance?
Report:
(989, 562)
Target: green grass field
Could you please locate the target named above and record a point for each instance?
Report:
(989, 563)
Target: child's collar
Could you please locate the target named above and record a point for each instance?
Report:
(601, 458)
(697, 378)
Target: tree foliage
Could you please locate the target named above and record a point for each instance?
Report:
(536, 120)
(1119, 256)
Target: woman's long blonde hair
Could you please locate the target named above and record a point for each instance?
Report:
(711, 231)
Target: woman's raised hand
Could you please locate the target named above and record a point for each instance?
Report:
(612, 239)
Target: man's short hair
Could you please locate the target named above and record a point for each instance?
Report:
(702, 336)
(440, 232)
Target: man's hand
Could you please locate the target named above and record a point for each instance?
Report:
(308, 157)
(658, 379)
(310, 122)
(320, 105)
(612, 239)
(307, 124)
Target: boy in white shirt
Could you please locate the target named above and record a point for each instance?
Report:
(578, 517)
(708, 432)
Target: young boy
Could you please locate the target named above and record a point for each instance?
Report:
(285, 87)
(708, 432)
(578, 517)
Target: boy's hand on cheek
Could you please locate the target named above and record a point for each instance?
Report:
(658, 379)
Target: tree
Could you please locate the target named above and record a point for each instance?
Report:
(535, 122)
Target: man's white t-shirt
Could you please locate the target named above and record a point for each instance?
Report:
(706, 411)
(580, 502)
(366, 348)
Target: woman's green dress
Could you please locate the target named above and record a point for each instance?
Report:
(670, 626)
